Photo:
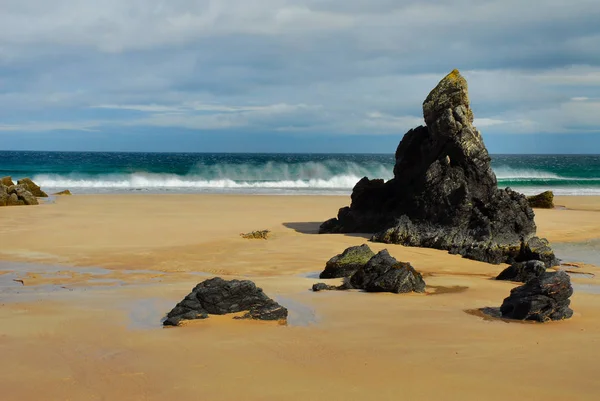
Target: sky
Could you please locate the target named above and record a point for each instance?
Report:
(293, 75)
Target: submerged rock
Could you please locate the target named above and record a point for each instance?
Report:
(545, 200)
(32, 187)
(444, 193)
(348, 262)
(219, 297)
(523, 271)
(541, 299)
(382, 273)
(16, 195)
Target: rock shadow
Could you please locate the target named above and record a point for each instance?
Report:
(493, 314)
(313, 228)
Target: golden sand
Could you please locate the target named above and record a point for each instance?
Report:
(95, 334)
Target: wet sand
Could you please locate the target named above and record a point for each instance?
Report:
(99, 272)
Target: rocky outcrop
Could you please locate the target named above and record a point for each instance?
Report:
(32, 187)
(541, 299)
(545, 200)
(219, 297)
(7, 181)
(523, 271)
(16, 195)
(382, 273)
(66, 192)
(444, 193)
(348, 262)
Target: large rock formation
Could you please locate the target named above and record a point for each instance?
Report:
(382, 273)
(541, 299)
(444, 193)
(219, 297)
(16, 195)
(348, 262)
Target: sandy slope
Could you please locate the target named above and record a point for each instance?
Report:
(91, 341)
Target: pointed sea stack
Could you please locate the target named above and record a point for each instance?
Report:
(444, 194)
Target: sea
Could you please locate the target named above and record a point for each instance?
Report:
(281, 174)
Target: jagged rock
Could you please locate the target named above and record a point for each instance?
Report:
(219, 297)
(32, 187)
(444, 193)
(523, 271)
(16, 195)
(545, 200)
(7, 181)
(382, 273)
(348, 262)
(65, 192)
(541, 299)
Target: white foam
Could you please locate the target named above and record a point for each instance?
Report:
(165, 181)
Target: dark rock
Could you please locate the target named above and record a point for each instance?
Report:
(7, 181)
(348, 262)
(444, 193)
(269, 311)
(219, 297)
(383, 273)
(65, 192)
(32, 187)
(541, 299)
(545, 200)
(323, 287)
(523, 271)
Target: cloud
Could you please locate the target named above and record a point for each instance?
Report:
(295, 66)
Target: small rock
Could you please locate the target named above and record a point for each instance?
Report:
(523, 271)
(545, 200)
(348, 262)
(323, 287)
(65, 192)
(541, 299)
(263, 234)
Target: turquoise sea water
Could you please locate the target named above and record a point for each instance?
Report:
(95, 172)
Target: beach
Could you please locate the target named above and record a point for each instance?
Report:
(97, 273)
